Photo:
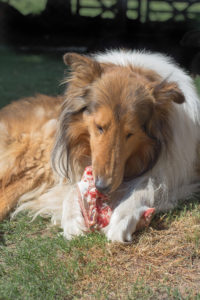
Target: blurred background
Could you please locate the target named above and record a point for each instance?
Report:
(34, 34)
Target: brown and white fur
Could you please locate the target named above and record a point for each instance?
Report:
(134, 116)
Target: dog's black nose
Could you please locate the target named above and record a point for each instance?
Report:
(102, 186)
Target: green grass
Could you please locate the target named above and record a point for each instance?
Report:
(24, 75)
(36, 262)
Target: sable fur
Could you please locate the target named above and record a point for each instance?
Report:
(27, 130)
(134, 116)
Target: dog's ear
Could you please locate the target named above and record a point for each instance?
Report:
(165, 92)
(154, 109)
(158, 101)
(83, 68)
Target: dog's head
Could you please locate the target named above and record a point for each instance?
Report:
(115, 118)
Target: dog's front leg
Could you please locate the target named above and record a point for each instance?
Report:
(72, 221)
(127, 215)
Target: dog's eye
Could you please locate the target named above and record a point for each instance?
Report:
(129, 135)
(100, 129)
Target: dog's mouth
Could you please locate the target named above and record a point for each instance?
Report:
(125, 180)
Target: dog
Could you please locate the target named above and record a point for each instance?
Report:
(133, 115)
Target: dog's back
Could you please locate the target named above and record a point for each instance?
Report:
(27, 129)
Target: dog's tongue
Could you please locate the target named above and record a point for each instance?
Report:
(95, 208)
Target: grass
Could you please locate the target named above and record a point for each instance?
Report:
(23, 75)
(36, 262)
(162, 263)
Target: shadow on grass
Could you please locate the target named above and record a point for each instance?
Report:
(163, 221)
(2, 239)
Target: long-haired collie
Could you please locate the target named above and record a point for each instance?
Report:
(133, 116)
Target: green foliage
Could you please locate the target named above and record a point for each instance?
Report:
(28, 6)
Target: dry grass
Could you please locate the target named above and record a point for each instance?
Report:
(165, 255)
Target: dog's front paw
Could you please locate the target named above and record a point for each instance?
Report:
(123, 225)
(73, 227)
(72, 222)
(121, 230)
